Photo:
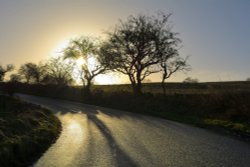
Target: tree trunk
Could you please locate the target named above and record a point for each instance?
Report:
(133, 85)
(38, 80)
(137, 88)
(86, 89)
(163, 86)
(138, 84)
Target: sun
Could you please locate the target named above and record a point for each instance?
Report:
(103, 79)
(80, 61)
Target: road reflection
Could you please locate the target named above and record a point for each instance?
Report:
(65, 150)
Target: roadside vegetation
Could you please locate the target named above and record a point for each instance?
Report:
(221, 106)
(26, 131)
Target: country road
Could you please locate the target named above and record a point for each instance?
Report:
(102, 137)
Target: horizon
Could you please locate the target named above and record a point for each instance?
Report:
(214, 34)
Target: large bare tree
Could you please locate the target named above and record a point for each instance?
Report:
(137, 46)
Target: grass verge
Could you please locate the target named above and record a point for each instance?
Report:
(26, 131)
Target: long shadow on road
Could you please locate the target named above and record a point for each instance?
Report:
(122, 159)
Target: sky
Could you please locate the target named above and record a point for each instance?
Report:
(215, 33)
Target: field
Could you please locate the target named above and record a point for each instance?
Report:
(182, 88)
(214, 105)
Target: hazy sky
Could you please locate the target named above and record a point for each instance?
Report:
(216, 33)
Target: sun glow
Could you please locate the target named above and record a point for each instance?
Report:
(107, 79)
(103, 79)
(80, 61)
(58, 49)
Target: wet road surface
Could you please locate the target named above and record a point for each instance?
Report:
(102, 137)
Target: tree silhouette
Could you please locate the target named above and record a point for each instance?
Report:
(170, 65)
(86, 48)
(31, 72)
(138, 46)
(15, 78)
(58, 72)
(4, 70)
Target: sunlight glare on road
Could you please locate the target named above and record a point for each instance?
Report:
(69, 144)
(75, 128)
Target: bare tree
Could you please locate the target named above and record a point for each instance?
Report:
(170, 65)
(58, 72)
(86, 48)
(31, 72)
(137, 47)
(4, 70)
(15, 78)
(248, 79)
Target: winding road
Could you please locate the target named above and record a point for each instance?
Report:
(102, 137)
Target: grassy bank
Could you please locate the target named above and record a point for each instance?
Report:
(225, 110)
(26, 131)
(223, 106)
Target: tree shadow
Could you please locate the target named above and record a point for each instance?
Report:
(62, 107)
(87, 109)
(122, 159)
(59, 106)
